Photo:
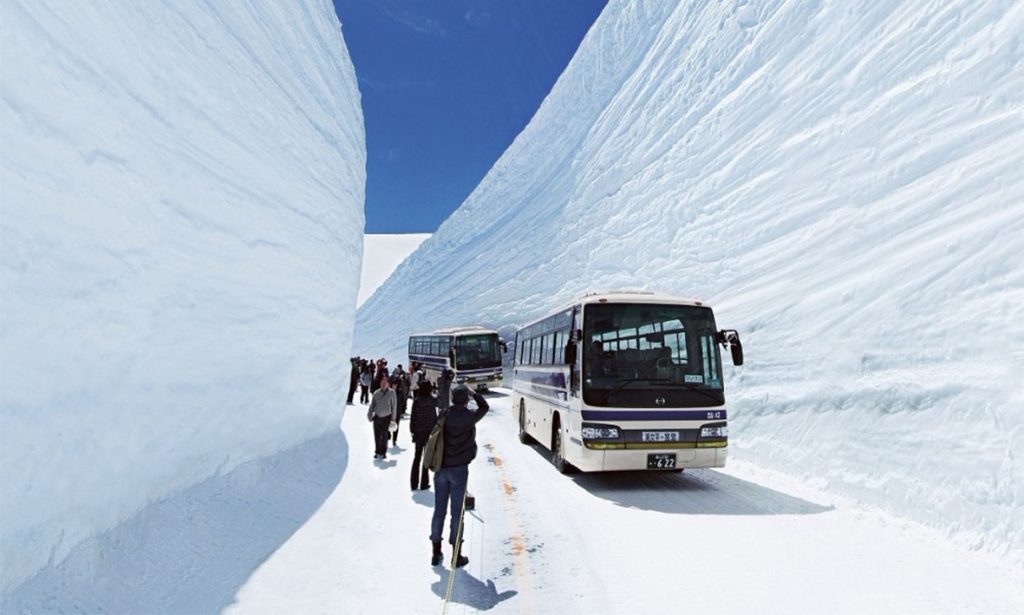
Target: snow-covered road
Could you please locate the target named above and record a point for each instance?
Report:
(742, 540)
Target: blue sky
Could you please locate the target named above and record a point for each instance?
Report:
(446, 86)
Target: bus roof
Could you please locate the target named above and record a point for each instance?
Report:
(620, 296)
(636, 296)
(468, 330)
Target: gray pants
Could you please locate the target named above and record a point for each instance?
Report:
(449, 485)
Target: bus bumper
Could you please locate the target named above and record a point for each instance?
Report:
(636, 459)
(482, 383)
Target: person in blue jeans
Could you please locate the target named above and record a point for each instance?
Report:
(450, 480)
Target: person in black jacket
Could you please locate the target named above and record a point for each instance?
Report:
(353, 379)
(444, 389)
(450, 480)
(421, 421)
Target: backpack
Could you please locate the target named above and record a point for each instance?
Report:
(433, 451)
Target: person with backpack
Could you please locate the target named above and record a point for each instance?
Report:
(382, 412)
(458, 440)
(421, 421)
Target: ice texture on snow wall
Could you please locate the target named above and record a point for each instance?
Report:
(844, 183)
(182, 194)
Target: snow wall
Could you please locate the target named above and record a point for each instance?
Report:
(844, 184)
(182, 198)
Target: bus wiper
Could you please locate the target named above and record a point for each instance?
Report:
(693, 386)
(626, 381)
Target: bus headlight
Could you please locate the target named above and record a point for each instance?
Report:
(591, 431)
(717, 431)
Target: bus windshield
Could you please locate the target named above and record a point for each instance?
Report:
(650, 356)
(477, 351)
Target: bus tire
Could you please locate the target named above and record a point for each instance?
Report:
(557, 448)
(524, 437)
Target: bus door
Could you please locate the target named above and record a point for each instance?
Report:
(576, 335)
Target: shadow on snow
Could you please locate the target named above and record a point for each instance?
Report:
(424, 498)
(469, 590)
(193, 551)
(692, 492)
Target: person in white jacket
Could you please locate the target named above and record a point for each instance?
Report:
(383, 410)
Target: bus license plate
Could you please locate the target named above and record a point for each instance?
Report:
(661, 461)
(659, 436)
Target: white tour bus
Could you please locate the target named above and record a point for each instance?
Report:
(472, 353)
(625, 380)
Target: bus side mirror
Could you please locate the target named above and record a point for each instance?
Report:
(737, 352)
(504, 346)
(730, 338)
(570, 352)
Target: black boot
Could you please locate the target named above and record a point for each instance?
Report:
(435, 559)
(460, 560)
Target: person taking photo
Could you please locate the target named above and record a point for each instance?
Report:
(451, 478)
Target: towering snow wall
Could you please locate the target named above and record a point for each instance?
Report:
(844, 182)
(182, 193)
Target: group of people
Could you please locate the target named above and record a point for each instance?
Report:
(390, 393)
(366, 375)
(387, 406)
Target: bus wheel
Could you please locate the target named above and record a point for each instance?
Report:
(523, 436)
(557, 449)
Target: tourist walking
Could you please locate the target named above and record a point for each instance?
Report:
(398, 414)
(422, 418)
(444, 389)
(364, 385)
(382, 411)
(353, 379)
(401, 380)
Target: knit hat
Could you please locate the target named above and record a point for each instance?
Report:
(460, 395)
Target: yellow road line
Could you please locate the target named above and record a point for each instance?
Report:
(517, 539)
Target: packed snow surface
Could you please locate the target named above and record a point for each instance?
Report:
(310, 529)
(843, 182)
(381, 254)
(743, 540)
(181, 233)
